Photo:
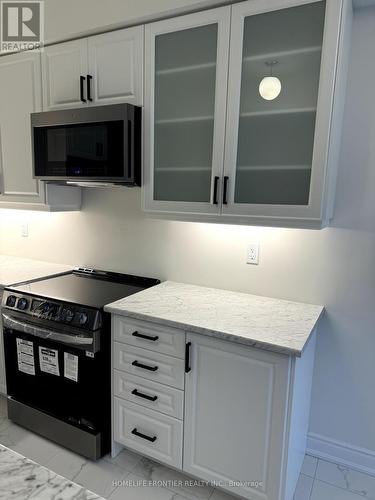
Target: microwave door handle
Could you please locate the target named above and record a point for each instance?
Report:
(130, 149)
(44, 333)
(81, 87)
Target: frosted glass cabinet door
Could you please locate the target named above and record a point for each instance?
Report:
(278, 107)
(185, 102)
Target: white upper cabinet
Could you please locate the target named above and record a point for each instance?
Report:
(64, 68)
(277, 148)
(281, 148)
(186, 63)
(103, 69)
(116, 66)
(20, 96)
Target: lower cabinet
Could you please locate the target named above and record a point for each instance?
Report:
(149, 432)
(246, 410)
(235, 414)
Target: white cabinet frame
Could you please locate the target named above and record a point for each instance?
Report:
(76, 50)
(314, 210)
(85, 53)
(221, 17)
(330, 105)
(131, 42)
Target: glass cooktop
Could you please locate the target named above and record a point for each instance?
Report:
(91, 289)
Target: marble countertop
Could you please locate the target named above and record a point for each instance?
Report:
(15, 269)
(22, 478)
(266, 323)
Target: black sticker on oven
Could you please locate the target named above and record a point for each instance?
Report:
(71, 366)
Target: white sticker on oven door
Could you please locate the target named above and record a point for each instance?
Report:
(25, 356)
(49, 361)
(71, 366)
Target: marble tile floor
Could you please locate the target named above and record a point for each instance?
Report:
(132, 477)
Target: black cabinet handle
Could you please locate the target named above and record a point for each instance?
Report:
(225, 190)
(81, 83)
(146, 337)
(145, 367)
(144, 436)
(89, 78)
(187, 357)
(216, 182)
(144, 396)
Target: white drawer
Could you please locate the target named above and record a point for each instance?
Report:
(150, 336)
(149, 364)
(134, 424)
(150, 394)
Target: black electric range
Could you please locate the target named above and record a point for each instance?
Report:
(57, 355)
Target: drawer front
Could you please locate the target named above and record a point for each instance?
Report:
(148, 432)
(148, 336)
(150, 394)
(149, 364)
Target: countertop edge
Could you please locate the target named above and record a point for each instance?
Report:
(214, 333)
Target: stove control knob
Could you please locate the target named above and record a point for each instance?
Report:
(67, 315)
(49, 309)
(22, 304)
(11, 301)
(82, 318)
(46, 307)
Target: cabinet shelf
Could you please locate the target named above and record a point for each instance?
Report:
(182, 69)
(182, 169)
(285, 111)
(250, 168)
(187, 119)
(282, 53)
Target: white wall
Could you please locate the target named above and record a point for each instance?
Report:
(334, 266)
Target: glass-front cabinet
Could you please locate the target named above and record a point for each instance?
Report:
(253, 137)
(185, 92)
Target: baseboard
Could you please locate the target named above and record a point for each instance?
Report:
(357, 458)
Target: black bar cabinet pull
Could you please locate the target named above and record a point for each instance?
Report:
(216, 182)
(146, 337)
(144, 436)
(89, 78)
(82, 82)
(145, 367)
(144, 396)
(187, 357)
(225, 190)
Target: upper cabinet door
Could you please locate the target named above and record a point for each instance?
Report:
(20, 95)
(186, 66)
(64, 68)
(280, 97)
(116, 66)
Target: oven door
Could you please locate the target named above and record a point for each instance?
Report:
(57, 381)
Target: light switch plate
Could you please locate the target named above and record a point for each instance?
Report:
(253, 253)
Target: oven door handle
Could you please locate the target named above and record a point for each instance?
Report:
(22, 326)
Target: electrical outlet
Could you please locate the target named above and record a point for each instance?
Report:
(25, 229)
(253, 254)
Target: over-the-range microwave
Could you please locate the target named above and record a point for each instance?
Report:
(88, 146)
